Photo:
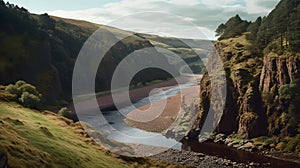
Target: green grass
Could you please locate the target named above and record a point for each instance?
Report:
(34, 139)
(286, 144)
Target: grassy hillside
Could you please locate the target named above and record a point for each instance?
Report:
(192, 51)
(42, 50)
(32, 138)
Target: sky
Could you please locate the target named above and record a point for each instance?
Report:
(180, 18)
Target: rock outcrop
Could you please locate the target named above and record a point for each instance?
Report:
(277, 71)
(252, 81)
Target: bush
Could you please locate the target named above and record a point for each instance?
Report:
(26, 94)
(30, 89)
(13, 89)
(65, 113)
(291, 144)
(30, 100)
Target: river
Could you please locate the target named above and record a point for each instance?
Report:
(113, 123)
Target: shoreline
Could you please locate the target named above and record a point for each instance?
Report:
(162, 117)
(106, 102)
(245, 148)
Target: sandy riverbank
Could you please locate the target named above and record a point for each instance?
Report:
(106, 101)
(164, 115)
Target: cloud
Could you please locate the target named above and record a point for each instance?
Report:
(260, 6)
(207, 14)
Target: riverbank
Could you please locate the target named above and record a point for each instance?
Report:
(106, 103)
(268, 147)
(167, 111)
(199, 160)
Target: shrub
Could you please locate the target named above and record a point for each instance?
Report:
(26, 94)
(280, 146)
(291, 144)
(65, 113)
(13, 89)
(20, 83)
(30, 89)
(30, 100)
(290, 97)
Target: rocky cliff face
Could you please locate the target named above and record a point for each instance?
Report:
(252, 81)
(277, 71)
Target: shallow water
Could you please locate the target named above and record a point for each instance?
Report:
(113, 122)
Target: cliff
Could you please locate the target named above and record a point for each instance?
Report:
(261, 60)
(279, 71)
(253, 105)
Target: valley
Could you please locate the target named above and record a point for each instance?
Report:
(230, 102)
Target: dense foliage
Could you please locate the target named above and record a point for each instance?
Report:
(290, 97)
(278, 32)
(235, 26)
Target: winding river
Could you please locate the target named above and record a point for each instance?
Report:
(113, 123)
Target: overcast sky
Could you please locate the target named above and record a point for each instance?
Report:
(203, 14)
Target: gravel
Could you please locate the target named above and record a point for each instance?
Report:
(200, 160)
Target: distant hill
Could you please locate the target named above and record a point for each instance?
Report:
(192, 51)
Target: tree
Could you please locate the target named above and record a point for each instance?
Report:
(290, 96)
(281, 27)
(293, 32)
(253, 29)
(235, 26)
(2, 3)
(220, 30)
(47, 22)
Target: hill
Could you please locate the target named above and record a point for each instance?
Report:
(42, 50)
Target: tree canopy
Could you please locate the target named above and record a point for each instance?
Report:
(235, 26)
(279, 31)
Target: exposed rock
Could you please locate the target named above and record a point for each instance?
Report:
(193, 159)
(220, 138)
(248, 147)
(278, 70)
(180, 128)
(252, 81)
